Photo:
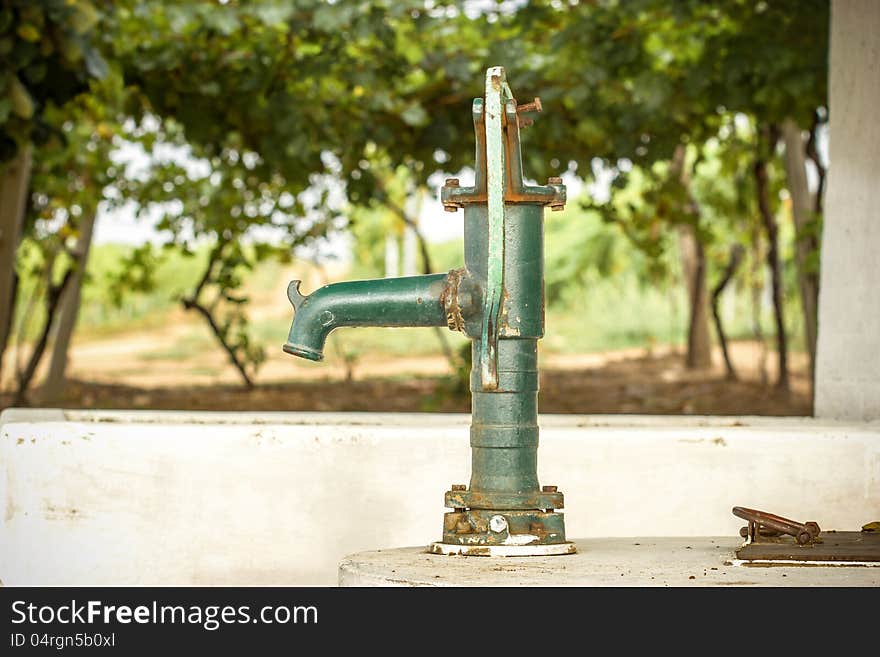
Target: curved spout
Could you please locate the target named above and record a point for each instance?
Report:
(406, 301)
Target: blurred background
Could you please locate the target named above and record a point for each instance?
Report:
(168, 167)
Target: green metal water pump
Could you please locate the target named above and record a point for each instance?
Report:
(497, 300)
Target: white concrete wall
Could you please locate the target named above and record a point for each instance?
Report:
(280, 498)
(848, 354)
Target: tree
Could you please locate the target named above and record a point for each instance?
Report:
(655, 74)
(309, 90)
(49, 56)
(72, 172)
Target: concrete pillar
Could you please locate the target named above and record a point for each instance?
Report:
(848, 353)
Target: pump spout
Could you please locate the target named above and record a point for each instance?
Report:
(406, 301)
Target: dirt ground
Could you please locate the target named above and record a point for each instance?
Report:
(109, 376)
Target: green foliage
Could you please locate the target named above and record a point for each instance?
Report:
(48, 54)
(581, 250)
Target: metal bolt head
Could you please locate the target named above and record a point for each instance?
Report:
(497, 524)
(452, 182)
(459, 487)
(554, 180)
(450, 208)
(548, 489)
(557, 208)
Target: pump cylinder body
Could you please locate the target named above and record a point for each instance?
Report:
(504, 429)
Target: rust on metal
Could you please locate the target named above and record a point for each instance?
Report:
(450, 300)
(763, 524)
(534, 106)
(451, 183)
(844, 548)
(454, 196)
(504, 500)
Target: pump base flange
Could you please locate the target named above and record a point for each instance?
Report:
(538, 550)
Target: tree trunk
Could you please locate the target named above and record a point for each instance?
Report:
(736, 255)
(802, 205)
(693, 267)
(193, 303)
(772, 230)
(693, 260)
(14, 186)
(53, 296)
(821, 171)
(53, 386)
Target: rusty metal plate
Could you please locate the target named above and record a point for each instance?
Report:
(832, 546)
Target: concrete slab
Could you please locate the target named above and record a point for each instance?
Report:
(156, 498)
(659, 561)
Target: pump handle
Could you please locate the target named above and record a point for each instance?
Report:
(498, 96)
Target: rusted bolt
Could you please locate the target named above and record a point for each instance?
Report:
(557, 207)
(497, 524)
(451, 207)
(554, 180)
(459, 487)
(459, 509)
(548, 489)
(534, 106)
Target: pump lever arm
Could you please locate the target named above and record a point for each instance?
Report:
(497, 97)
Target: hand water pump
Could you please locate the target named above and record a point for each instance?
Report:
(497, 300)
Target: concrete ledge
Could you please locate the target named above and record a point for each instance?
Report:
(682, 561)
(94, 497)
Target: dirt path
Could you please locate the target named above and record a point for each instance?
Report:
(625, 381)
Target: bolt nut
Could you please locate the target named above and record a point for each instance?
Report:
(554, 180)
(548, 489)
(450, 208)
(452, 182)
(459, 487)
(557, 207)
(497, 524)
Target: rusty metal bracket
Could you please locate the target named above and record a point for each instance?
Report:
(768, 525)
